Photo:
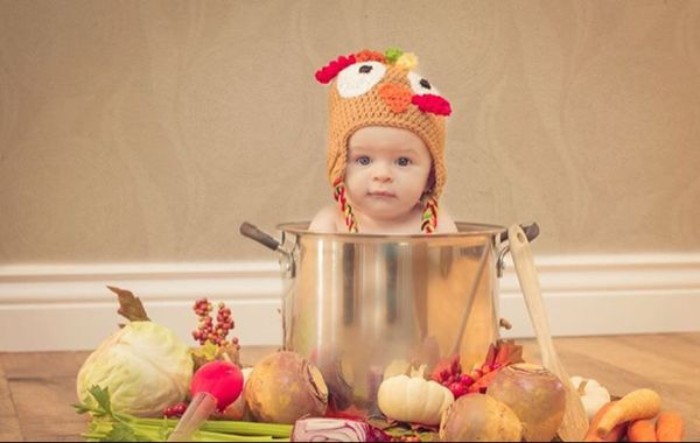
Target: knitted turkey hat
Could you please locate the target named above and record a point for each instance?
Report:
(381, 89)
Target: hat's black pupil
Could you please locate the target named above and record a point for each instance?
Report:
(425, 83)
(364, 69)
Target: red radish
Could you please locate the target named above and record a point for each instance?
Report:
(222, 379)
(215, 385)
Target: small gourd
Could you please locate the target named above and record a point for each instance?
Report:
(593, 394)
(413, 399)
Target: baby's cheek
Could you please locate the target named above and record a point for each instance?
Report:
(354, 183)
(412, 187)
(419, 180)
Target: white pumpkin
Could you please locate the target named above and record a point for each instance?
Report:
(413, 399)
(593, 394)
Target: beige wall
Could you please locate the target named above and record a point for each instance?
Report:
(148, 131)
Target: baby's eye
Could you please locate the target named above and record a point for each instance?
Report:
(359, 78)
(363, 160)
(403, 161)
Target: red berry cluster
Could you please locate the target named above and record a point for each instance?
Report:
(206, 330)
(175, 410)
(448, 372)
(452, 378)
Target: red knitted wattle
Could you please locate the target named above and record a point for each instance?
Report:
(432, 103)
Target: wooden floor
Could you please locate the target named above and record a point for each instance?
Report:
(37, 389)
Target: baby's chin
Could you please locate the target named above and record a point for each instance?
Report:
(386, 209)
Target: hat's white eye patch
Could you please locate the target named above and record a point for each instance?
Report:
(421, 86)
(359, 78)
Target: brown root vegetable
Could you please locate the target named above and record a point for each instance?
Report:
(535, 394)
(284, 387)
(480, 417)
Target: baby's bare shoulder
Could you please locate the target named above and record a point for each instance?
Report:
(446, 223)
(325, 220)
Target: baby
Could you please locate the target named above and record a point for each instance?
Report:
(386, 147)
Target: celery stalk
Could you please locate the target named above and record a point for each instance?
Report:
(230, 427)
(158, 430)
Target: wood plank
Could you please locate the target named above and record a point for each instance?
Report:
(42, 364)
(9, 423)
(44, 408)
(10, 429)
(7, 407)
(42, 388)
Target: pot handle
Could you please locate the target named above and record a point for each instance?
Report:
(286, 259)
(531, 232)
(252, 232)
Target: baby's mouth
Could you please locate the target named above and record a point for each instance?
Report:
(381, 194)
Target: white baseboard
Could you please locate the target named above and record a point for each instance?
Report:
(609, 294)
(68, 307)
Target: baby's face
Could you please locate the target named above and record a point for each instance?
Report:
(387, 171)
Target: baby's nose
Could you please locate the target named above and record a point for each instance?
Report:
(382, 173)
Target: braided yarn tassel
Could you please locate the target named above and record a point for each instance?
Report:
(430, 216)
(345, 208)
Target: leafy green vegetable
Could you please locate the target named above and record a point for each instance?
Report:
(145, 366)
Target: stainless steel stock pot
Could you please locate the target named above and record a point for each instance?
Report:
(353, 303)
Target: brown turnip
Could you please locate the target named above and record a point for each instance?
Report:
(284, 387)
(479, 417)
(535, 394)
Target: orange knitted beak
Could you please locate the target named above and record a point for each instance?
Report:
(396, 97)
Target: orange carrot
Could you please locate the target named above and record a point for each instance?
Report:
(614, 435)
(591, 434)
(640, 404)
(669, 426)
(641, 431)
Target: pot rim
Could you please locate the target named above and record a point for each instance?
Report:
(465, 229)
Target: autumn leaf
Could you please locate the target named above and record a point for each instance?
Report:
(210, 352)
(508, 353)
(130, 306)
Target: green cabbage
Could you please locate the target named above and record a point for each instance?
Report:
(145, 367)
